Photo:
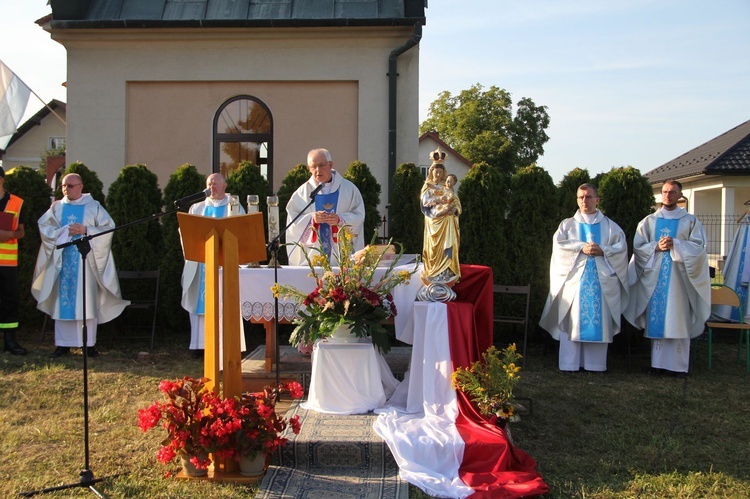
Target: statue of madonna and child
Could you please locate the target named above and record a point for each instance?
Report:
(441, 208)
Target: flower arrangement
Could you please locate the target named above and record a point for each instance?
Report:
(349, 295)
(199, 422)
(489, 383)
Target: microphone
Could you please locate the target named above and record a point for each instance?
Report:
(193, 197)
(316, 191)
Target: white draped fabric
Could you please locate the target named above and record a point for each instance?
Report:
(418, 422)
(348, 378)
(737, 271)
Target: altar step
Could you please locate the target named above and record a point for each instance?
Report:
(297, 367)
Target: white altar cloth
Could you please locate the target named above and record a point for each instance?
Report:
(348, 378)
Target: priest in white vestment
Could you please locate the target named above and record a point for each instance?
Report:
(57, 284)
(337, 203)
(736, 273)
(588, 285)
(217, 205)
(670, 287)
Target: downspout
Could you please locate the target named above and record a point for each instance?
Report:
(393, 105)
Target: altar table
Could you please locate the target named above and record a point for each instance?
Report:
(257, 302)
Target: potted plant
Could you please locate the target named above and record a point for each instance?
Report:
(259, 428)
(187, 417)
(489, 383)
(348, 296)
(200, 423)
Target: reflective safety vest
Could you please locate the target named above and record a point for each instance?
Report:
(9, 248)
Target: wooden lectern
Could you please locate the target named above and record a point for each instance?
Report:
(226, 242)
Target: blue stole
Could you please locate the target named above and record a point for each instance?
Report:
(590, 297)
(738, 287)
(200, 307)
(657, 307)
(68, 283)
(326, 202)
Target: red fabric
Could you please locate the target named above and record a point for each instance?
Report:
(492, 466)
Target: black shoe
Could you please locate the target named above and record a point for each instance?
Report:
(92, 352)
(59, 352)
(11, 345)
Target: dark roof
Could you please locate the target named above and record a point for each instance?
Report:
(234, 13)
(727, 154)
(436, 137)
(35, 120)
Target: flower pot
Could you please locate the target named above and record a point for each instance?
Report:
(343, 334)
(252, 466)
(189, 469)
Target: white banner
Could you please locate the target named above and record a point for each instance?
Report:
(14, 95)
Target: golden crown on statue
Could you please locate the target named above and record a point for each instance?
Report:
(437, 156)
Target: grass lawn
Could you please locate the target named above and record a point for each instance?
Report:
(623, 434)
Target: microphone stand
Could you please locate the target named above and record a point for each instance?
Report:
(273, 248)
(87, 476)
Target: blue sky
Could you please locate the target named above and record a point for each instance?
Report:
(626, 82)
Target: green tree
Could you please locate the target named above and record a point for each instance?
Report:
(567, 190)
(90, 179)
(480, 126)
(247, 179)
(359, 174)
(531, 231)
(406, 224)
(29, 185)
(484, 200)
(626, 197)
(134, 197)
(185, 181)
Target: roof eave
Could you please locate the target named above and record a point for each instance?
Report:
(233, 23)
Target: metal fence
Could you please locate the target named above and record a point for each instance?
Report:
(720, 230)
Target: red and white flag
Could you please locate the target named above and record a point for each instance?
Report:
(14, 95)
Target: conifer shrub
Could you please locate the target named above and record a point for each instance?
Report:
(134, 197)
(360, 175)
(530, 233)
(406, 223)
(186, 180)
(90, 179)
(484, 199)
(626, 197)
(31, 186)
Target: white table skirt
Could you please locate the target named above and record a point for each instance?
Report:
(348, 378)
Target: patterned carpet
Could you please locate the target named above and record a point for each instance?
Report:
(333, 457)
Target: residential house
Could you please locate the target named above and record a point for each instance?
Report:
(715, 179)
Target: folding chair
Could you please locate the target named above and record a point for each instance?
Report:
(514, 316)
(143, 287)
(724, 295)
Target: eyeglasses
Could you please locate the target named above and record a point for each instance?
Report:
(68, 186)
(671, 193)
(318, 167)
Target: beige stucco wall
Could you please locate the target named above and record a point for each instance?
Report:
(28, 150)
(198, 69)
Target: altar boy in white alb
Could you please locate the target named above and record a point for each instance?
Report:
(588, 285)
(194, 273)
(669, 281)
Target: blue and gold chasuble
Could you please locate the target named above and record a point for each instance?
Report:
(739, 287)
(590, 298)
(67, 299)
(657, 307)
(213, 212)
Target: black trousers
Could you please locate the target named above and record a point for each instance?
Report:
(9, 298)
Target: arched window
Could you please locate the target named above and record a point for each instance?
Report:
(243, 131)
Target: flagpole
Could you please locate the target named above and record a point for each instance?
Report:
(35, 94)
